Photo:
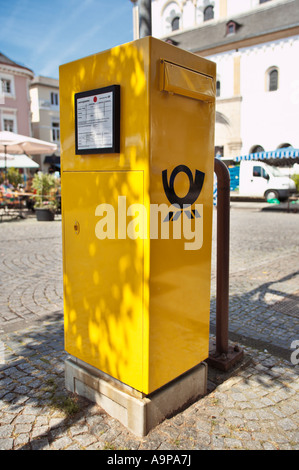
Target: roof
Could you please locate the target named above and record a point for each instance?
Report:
(262, 21)
(7, 61)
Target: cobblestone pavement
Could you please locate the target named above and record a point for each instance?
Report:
(254, 406)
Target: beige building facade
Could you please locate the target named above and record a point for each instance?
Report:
(45, 120)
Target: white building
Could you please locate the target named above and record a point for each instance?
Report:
(255, 44)
(45, 120)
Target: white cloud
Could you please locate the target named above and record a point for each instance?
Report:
(83, 44)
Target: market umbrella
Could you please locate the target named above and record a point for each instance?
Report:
(11, 143)
(17, 161)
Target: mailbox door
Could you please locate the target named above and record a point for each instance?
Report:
(103, 278)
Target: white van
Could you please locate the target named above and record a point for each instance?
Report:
(258, 179)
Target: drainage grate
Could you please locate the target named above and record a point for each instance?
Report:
(288, 306)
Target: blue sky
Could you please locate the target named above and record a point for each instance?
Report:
(43, 34)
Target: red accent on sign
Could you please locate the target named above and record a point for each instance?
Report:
(95, 99)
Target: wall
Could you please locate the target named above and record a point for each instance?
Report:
(271, 118)
(43, 112)
(191, 12)
(17, 107)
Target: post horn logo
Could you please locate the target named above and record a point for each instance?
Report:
(186, 201)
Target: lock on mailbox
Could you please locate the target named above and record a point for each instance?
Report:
(137, 140)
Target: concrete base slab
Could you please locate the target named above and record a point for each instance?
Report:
(139, 413)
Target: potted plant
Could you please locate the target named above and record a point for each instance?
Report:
(45, 187)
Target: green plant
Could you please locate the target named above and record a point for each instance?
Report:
(67, 405)
(296, 179)
(109, 446)
(14, 177)
(45, 187)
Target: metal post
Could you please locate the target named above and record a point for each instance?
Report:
(223, 233)
(145, 18)
(5, 163)
(222, 356)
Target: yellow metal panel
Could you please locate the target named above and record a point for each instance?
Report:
(182, 131)
(185, 82)
(103, 278)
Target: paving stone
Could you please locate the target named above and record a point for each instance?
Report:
(22, 428)
(61, 443)
(40, 431)
(6, 444)
(20, 440)
(85, 439)
(6, 430)
(40, 444)
(79, 429)
(231, 443)
(287, 424)
(24, 419)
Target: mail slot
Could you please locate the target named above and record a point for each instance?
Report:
(137, 167)
(185, 82)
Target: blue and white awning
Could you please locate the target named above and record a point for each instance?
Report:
(288, 152)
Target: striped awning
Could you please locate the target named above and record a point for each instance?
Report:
(288, 152)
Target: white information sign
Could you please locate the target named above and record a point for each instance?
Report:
(96, 120)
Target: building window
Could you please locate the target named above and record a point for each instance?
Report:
(219, 151)
(6, 85)
(273, 80)
(175, 24)
(208, 13)
(257, 149)
(284, 146)
(231, 27)
(171, 16)
(8, 125)
(218, 88)
(54, 99)
(9, 121)
(55, 131)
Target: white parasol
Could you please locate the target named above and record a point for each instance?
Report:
(11, 143)
(17, 161)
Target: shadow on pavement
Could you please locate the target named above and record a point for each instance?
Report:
(32, 386)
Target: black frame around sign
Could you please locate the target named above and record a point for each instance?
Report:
(115, 148)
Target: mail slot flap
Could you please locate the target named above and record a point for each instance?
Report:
(186, 82)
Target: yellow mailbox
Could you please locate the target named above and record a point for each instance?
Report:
(137, 155)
